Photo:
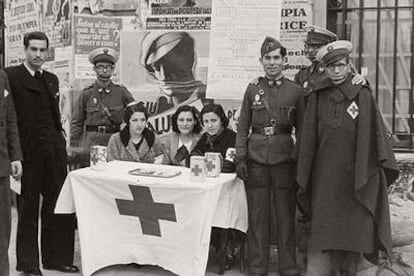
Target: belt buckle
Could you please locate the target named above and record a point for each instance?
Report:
(268, 131)
(101, 129)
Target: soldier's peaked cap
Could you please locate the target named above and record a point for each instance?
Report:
(334, 51)
(319, 36)
(269, 44)
(103, 54)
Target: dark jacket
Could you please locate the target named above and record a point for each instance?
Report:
(89, 110)
(9, 136)
(220, 144)
(310, 76)
(285, 99)
(374, 166)
(25, 95)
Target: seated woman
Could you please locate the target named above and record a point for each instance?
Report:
(135, 142)
(218, 138)
(181, 141)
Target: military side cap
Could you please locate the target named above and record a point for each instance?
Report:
(157, 44)
(103, 55)
(334, 51)
(269, 44)
(319, 36)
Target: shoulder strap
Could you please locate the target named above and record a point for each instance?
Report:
(106, 111)
(266, 104)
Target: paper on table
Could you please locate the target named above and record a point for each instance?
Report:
(15, 185)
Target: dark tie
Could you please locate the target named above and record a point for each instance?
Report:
(37, 75)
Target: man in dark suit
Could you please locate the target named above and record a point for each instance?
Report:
(36, 97)
(10, 163)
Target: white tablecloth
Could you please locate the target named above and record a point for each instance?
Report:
(178, 240)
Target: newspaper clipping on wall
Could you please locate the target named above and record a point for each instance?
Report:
(238, 29)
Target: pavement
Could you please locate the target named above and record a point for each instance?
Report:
(124, 270)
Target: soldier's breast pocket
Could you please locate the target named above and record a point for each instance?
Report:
(288, 113)
(259, 114)
(92, 106)
(117, 112)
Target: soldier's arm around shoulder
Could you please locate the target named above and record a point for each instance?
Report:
(298, 76)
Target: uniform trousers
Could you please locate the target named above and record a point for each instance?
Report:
(45, 169)
(332, 262)
(264, 181)
(5, 223)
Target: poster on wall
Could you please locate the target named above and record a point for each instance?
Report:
(91, 32)
(237, 32)
(174, 14)
(56, 22)
(95, 6)
(296, 15)
(165, 69)
(21, 16)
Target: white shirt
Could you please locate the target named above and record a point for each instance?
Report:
(31, 72)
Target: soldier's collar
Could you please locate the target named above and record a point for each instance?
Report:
(348, 89)
(107, 89)
(273, 82)
(319, 68)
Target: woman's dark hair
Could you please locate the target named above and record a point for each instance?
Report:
(148, 135)
(216, 109)
(35, 36)
(132, 108)
(196, 116)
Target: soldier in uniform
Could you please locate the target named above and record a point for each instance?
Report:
(345, 163)
(99, 110)
(313, 74)
(272, 106)
(310, 78)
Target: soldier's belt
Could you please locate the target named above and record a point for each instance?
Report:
(103, 129)
(272, 130)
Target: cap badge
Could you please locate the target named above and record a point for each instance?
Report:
(330, 49)
(105, 51)
(270, 44)
(312, 29)
(353, 110)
